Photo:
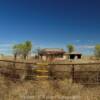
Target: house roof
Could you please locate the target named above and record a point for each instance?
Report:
(57, 51)
(77, 53)
(52, 51)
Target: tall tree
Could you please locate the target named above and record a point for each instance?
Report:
(97, 51)
(22, 49)
(26, 49)
(70, 48)
(27, 46)
(16, 50)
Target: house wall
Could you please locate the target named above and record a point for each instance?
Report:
(48, 57)
(44, 58)
(65, 57)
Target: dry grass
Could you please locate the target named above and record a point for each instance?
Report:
(46, 90)
(62, 89)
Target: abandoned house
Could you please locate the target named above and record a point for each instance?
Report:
(53, 54)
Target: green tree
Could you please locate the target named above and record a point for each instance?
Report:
(22, 49)
(97, 51)
(16, 50)
(70, 48)
(26, 49)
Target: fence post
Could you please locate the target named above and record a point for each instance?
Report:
(73, 69)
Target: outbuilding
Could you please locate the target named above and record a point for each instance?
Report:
(74, 55)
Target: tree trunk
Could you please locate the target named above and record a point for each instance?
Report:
(25, 56)
(15, 56)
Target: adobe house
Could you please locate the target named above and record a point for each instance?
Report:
(53, 54)
(49, 54)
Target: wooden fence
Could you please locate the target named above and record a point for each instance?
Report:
(78, 76)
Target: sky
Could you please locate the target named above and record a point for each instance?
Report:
(50, 24)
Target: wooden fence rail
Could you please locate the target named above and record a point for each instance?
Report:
(84, 77)
(50, 63)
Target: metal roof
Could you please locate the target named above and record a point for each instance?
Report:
(52, 51)
(72, 53)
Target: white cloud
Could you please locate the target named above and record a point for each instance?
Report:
(90, 41)
(85, 46)
(5, 45)
(77, 40)
(5, 48)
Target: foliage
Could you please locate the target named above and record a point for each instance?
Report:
(22, 49)
(70, 48)
(97, 51)
(26, 48)
(16, 50)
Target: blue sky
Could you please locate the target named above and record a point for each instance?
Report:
(50, 23)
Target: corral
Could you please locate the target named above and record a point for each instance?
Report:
(18, 79)
(84, 73)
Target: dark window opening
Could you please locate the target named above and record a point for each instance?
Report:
(72, 56)
(79, 56)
